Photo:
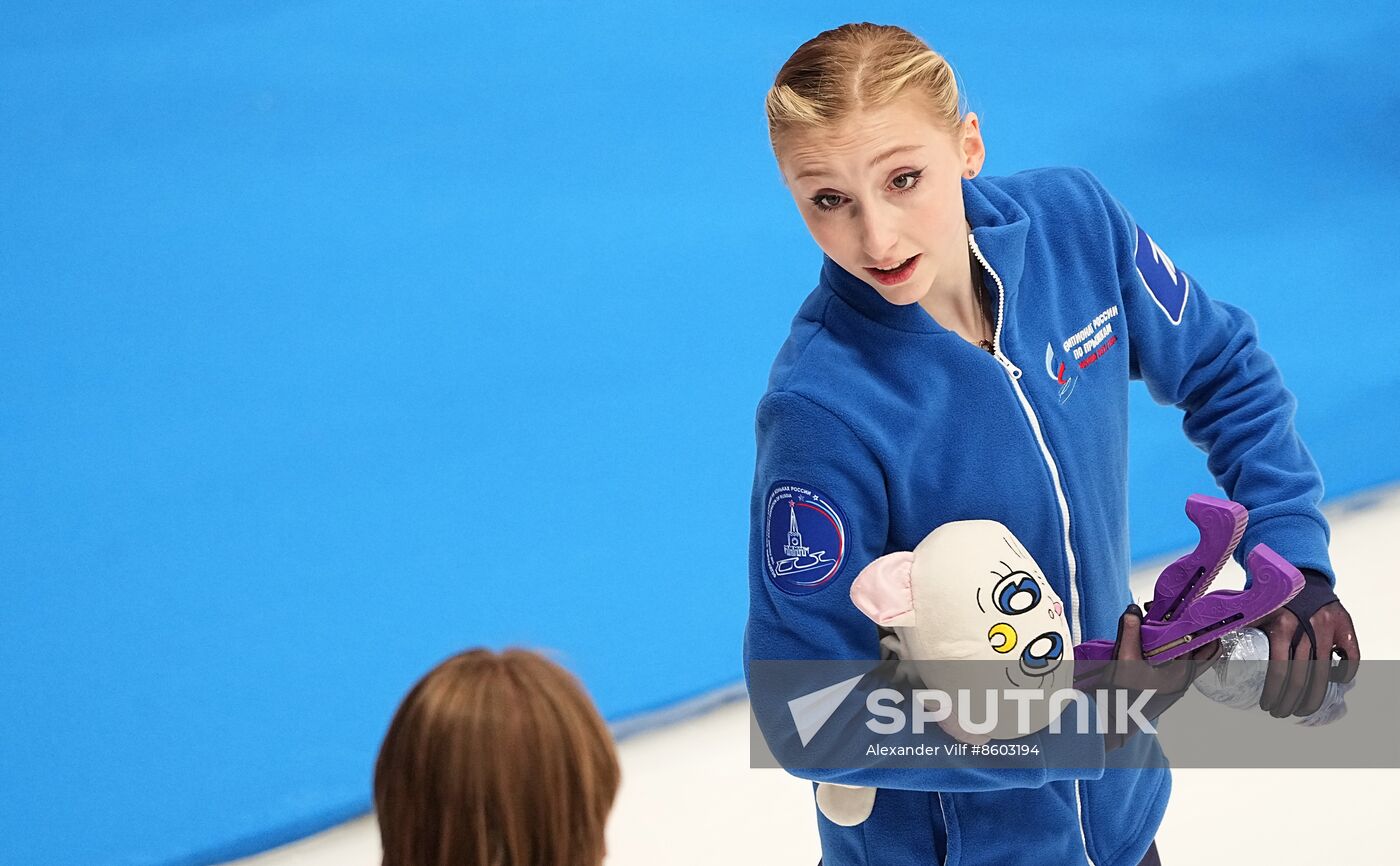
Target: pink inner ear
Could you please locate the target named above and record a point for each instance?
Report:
(884, 589)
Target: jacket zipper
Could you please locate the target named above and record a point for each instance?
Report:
(1015, 373)
(1079, 807)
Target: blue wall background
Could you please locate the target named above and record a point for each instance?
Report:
(338, 337)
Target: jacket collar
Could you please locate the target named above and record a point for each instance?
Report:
(999, 225)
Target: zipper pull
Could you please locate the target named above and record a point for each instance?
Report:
(1012, 369)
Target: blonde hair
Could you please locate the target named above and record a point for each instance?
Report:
(495, 760)
(859, 66)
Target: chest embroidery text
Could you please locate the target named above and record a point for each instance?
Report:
(1092, 341)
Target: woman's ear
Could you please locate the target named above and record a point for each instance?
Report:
(973, 149)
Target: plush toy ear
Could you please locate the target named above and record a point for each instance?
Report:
(884, 589)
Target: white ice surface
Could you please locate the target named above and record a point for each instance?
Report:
(689, 797)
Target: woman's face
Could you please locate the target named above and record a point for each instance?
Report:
(883, 187)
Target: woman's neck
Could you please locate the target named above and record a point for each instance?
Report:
(953, 305)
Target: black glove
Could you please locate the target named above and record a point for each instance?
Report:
(1303, 636)
(1131, 672)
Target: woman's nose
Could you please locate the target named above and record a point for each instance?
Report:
(879, 235)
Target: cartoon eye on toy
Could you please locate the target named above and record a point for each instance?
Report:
(1042, 655)
(1002, 637)
(1016, 593)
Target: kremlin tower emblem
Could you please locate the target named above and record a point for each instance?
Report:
(806, 538)
(800, 557)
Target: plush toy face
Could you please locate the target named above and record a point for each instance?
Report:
(986, 598)
(971, 592)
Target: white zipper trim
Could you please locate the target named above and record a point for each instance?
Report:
(1015, 373)
(947, 830)
(1079, 807)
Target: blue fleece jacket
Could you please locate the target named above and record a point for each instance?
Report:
(881, 425)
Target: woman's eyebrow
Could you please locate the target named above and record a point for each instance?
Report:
(816, 172)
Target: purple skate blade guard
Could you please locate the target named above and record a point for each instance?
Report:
(1275, 581)
(1221, 524)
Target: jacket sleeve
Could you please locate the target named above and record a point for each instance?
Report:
(804, 452)
(1203, 356)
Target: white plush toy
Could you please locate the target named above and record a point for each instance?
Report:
(968, 592)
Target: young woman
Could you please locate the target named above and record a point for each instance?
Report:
(967, 354)
(495, 760)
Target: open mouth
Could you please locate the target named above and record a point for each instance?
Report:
(897, 274)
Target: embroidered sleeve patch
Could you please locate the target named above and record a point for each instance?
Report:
(805, 538)
(1168, 286)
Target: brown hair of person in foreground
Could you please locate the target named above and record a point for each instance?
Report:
(495, 759)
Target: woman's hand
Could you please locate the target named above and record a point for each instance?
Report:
(1303, 635)
(1131, 671)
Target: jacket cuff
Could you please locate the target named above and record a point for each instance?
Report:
(1299, 539)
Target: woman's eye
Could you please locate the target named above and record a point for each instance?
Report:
(911, 179)
(912, 176)
(1017, 593)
